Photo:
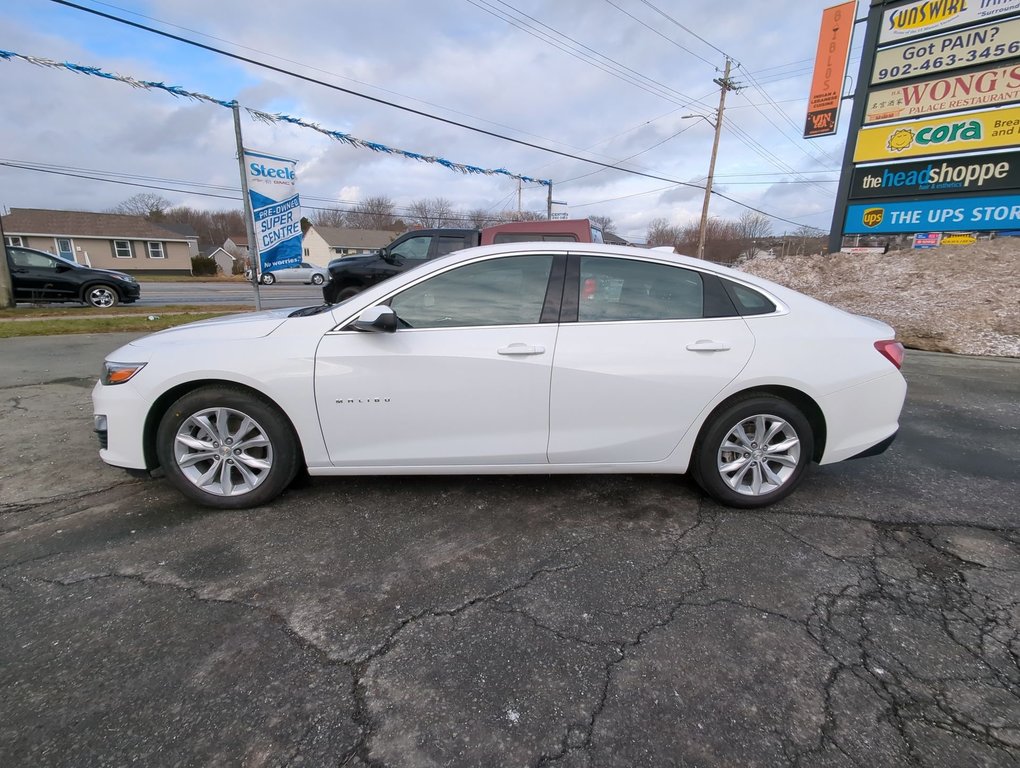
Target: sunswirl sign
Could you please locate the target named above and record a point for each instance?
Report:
(926, 17)
(985, 44)
(968, 132)
(981, 88)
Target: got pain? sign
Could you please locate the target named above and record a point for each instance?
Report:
(978, 214)
(276, 210)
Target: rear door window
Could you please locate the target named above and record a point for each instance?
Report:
(614, 289)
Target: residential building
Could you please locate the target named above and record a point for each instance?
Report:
(322, 244)
(131, 244)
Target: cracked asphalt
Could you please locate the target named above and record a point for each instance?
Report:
(870, 620)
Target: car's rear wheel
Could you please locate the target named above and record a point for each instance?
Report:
(753, 453)
(101, 296)
(318, 279)
(226, 448)
(268, 279)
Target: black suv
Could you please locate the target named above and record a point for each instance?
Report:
(41, 277)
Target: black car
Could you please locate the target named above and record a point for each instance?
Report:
(40, 277)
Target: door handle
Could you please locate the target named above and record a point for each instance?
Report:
(707, 345)
(521, 349)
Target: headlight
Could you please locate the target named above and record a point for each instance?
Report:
(126, 278)
(118, 373)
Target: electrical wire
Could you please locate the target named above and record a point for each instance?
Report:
(394, 105)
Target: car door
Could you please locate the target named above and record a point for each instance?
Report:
(639, 358)
(39, 276)
(463, 381)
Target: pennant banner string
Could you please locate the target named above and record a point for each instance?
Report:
(271, 117)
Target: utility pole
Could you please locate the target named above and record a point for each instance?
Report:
(6, 288)
(725, 84)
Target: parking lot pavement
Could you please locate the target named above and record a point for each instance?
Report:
(872, 619)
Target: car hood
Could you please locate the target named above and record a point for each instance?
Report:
(348, 261)
(250, 325)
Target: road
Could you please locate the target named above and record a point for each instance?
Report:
(273, 296)
(869, 620)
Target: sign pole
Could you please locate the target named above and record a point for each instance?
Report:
(253, 251)
(6, 286)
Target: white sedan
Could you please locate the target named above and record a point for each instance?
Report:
(521, 358)
(306, 272)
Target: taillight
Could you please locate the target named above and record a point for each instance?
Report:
(891, 350)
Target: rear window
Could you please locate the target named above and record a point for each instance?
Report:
(524, 237)
(747, 300)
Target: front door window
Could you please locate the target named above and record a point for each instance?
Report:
(65, 248)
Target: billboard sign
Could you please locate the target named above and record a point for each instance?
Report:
(968, 132)
(978, 214)
(276, 210)
(956, 50)
(974, 173)
(953, 93)
(926, 17)
(830, 70)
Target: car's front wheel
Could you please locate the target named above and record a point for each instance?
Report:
(268, 279)
(318, 279)
(754, 452)
(226, 448)
(101, 296)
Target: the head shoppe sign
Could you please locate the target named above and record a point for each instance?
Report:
(975, 173)
(276, 210)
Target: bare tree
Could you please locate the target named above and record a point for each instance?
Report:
(372, 213)
(604, 222)
(147, 204)
(661, 232)
(723, 243)
(432, 212)
(329, 217)
(480, 218)
(508, 216)
(212, 227)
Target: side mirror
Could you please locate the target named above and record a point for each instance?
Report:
(386, 256)
(377, 319)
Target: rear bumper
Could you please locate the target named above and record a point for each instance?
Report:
(877, 448)
(863, 417)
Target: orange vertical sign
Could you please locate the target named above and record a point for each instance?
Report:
(830, 69)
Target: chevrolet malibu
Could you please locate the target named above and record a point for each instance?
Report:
(512, 359)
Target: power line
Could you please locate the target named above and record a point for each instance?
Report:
(394, 105)
(660, 34)
(689, 31)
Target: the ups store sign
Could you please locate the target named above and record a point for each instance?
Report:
(976, 173)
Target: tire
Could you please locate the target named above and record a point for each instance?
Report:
(751, 474)
(318, 279)
(267, 279)
(207, 457)
(346, 293)
(101, 296)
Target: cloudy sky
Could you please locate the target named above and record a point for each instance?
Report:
(607, 80)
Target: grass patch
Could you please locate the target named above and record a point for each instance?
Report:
(126, 323)
(144, 278)
(76, 311)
